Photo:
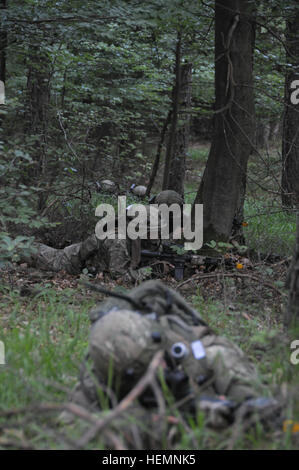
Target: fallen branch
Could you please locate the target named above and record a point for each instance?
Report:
(143, 383)
(248, 276)
(73, 408)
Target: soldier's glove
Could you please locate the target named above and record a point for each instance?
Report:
(219, 413)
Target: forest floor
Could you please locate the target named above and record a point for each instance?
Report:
(44, 325)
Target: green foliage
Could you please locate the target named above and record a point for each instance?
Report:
(270, 228)
(179, 250)
(12, 249)
(16, 206)
(223, 247)
(108, 68)
(197, 153)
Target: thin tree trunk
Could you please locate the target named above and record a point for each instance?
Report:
(175, 108)
(158, 154)
(290, 140)
(290, 161)
(3, 46)
(181, 140)
(292, 312)
(38, 99)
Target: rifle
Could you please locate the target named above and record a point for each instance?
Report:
(179, 260)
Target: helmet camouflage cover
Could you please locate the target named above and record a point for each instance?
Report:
(122, 343)
(169, 197)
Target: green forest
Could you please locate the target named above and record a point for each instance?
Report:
(188, 105)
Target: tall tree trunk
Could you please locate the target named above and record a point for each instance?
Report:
(234, 120)
(292, 311)
(237, 228)
(3, 46)
(38, 92)
(38, 99)
(181, 138)
(290, 161)
(158, 155)
(174, 119)
(290, 139)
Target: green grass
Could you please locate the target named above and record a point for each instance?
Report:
(44, 339)
(270, 229)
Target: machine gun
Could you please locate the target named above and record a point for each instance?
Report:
(179, 261)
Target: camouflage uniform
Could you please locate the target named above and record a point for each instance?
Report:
(124, 338)
(111, 255)
(117, 256)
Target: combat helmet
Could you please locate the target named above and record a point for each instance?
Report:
(122, 344)
(138, 190)
(107, 186)
(168, 197)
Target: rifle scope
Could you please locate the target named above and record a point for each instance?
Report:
(178, 351)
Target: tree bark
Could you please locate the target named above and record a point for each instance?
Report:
(221, 189)
(158, 155)
(290, 140)
(174, 119)
(292, 312)
(38, 100)
(38, 90)
(3, 46)
(181, 138)
(290, 161)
